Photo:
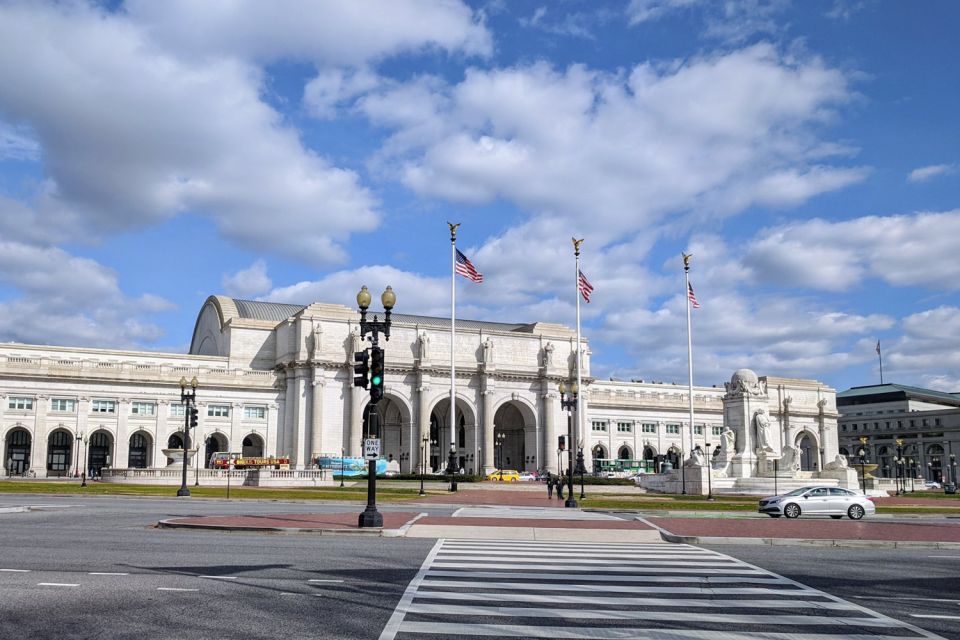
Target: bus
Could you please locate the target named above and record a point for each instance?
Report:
(620, 468)
(224, 460)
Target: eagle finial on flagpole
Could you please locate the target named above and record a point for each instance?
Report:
(576, 245)
(686, 260)
(453, 230)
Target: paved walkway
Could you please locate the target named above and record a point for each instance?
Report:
(394, 523)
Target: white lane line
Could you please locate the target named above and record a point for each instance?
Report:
(57, 584)
(174, 589)
(393, 624)
(219, 577)
(951, 600)
(319, 580)
(613, 633)
(930, 615)
(640, 602)
(16, 570)
(607, 614)
(615, 588)
(943, 556)
(99, 573)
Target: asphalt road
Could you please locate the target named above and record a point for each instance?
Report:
(97, 568)
(917, 586)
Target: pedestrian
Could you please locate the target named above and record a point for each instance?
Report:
(549, 487)
(559, 487)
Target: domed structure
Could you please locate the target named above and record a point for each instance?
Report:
(744, 379)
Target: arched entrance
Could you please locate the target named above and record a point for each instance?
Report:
(252, 446)
(465, 424)
(650, 460)
(138, 455)
(59, 453)
(935, 463)
(214, 443)
(673, 457)
(175, 441)
(510, 432)
(393, 429)
(16, 452)
(100, 452)
(599, 456)
(809, 451)
(625, 453)
(883, 458)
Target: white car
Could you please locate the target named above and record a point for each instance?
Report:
(932, 484)
(818, 501)
(528, 476)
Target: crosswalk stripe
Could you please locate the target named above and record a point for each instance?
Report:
(521, 590)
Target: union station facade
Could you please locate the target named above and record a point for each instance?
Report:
(277, 379)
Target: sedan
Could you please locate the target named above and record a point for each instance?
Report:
(818, 501)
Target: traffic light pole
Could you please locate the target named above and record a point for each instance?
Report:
(188, 399)
(370, 516)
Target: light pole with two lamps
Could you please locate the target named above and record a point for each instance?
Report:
(498, 444)
(423, 461)
(953, 469)
(913, 474)
(76, 467)
(189, 400)
(568, 401)
(898, 467)
(370, 516)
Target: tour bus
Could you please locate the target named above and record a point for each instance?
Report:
(224, 460)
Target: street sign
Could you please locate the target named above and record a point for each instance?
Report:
(371, 448)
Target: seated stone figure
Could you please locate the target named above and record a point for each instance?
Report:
(696, 459)
(839, 463)
(790, 460)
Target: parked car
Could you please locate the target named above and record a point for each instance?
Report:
(530, 476)
(932, 484)
(504, 475)
(818, 501)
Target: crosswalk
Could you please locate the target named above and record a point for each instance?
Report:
(539, 513)
(557, 590)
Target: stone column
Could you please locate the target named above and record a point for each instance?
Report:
(157, 459)
(236, 426)
(489, 463)
(316, 413)
(121, 441)
(423, 423)
(550, 435)
(289, 416)
(274, 411)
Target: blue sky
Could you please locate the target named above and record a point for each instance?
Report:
(154, 153)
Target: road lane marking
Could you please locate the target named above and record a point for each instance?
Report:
(930, 615)
(953, 600)
(57, 584)
(103, 573)
(174, 589)
(219, 577)
(16, 570)
(943, 556)
(319, 580)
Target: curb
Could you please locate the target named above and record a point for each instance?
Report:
(809, 542)
(376, 533)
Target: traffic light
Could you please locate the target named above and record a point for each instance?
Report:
(193, 416)
(376, 374)
(360, 369)
(562, 443)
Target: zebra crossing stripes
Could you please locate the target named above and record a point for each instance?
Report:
(528, 589)
(540, 513)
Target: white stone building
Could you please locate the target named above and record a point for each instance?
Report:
(278, 379)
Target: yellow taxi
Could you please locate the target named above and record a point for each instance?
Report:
(504, 475)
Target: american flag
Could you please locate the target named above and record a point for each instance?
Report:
(466, 269)
(692, 296)
(584, 285)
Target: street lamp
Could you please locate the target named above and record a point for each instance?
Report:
(370, 516)
(710, 471)
(913, 474)
(929, 471)
(83, 474)
(898, 461)
(423, 462)
(76, 467)
(189, 400)
(569, 402)
(863, 463)
(581, 469)
(498, 444)
(953, 468)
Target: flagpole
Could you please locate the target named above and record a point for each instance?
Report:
(576, 294)
(686, 292)
(880, 355)
(453, 341)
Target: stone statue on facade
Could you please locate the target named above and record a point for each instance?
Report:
(762, 425)
(745, 382)
(488, 351)
(548, 355)
(728, 443)
(790, 460)
(696, 459)
(839, 464)
(424, 346)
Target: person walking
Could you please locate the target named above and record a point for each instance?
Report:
(559, 487)
(549, 486)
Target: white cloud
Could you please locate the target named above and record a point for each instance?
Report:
(248, 282)
(618, 152)
(329, 32)
(727, 21)
(17, 144)
(639, 11)
(166, 136)
(332, 87)
(927, 350)
(923, 174)
(903, 250)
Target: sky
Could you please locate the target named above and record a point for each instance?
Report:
(806, 153)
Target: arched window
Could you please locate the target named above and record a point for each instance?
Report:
(138, 455)
(624, 453)
(17, 455)
(59, 453)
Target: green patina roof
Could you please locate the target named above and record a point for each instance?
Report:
(898, 390)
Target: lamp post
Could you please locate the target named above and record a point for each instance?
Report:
(370, 516)
(343, 454)
(423, 462)
(913, 474)
(569, 402)
(929, 471)
(580, 469)
(710, 472)
(83, 474)
(498, 444)
(189, 400)
(953, 468)
(76, 466)
(863, 463)
(898, 462)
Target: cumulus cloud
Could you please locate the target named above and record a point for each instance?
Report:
(248, 282)
(17, 144)
(717, 134)
(834, 256)
(639, 11)
(132, 136)
(726, 21)
(334, 33)
(926, 350)
(922, 174)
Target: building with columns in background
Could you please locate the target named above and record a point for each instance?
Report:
(277, 379)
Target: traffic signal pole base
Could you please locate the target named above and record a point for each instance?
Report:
(370, 518)
(183, 492)
(571, 503)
